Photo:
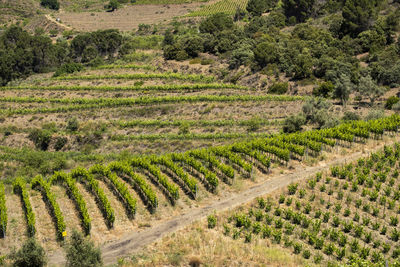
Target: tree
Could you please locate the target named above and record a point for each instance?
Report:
(82, 252)
(368, 87)
(31, 254)
(216, 23)
(359, 15)
(52, 4)
(257, 7)
(112, 5)
(343, 88)
(265, 53)
(299, 9)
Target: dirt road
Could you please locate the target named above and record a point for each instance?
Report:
(134, 241)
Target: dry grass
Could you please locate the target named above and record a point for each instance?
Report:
(197, 244)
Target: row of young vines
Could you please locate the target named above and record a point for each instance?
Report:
(173, 172)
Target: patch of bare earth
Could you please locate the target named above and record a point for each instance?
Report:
(127, 18)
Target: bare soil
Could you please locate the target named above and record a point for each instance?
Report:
(127, 18)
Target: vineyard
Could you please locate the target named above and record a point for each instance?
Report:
(349, 213)
(223, 6)
(149, 179)
(118, 148)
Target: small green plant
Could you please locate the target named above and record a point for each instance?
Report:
(31, 254)
(41, 138)
(212, 221)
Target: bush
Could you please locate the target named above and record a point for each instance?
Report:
(212, 221)
(68, 68)
(279, 88)
(72, 124)
(293, 123)
(60, 143)
(41, 138)
(31, 254)
(324, 90)
(351, 116)
(375, 114)
(82, 252)
(391, 101)
(52, 4)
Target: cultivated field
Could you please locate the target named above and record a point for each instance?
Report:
(82, 180)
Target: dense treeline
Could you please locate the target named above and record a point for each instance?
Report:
(323, 43)
(22, 53)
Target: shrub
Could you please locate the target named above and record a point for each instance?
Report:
(68, 68)
(72, 124)
(31, 254)
(52, 4)
(82, 252)
(351, 116)
(279, 88)
(293, 123)
(324, 90)
(41, 138)
(391, 101)
(212, 221)
(60, 143)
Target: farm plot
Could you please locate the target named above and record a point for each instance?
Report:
(349, 213)
(224, 6)
(159, 182)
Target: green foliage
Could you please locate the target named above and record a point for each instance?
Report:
(368, 87)
(19, 187)
(60, 142)
(351, 116)
(73, 193)
(41, 138)
(112, 5)
(359, 15)
(293, 123)
(279, 88)
(325, 90)
(343, 88)
(391, 101)
(3, 212)
(31, 254)
(82, 252)
(258, 7)
(299, 9)
(216, 23)
(52, 4)
(72, 124)
(39, 184)
(92, 185)
(212, 221)
(265, 53)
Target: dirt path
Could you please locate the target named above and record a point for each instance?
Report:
(132, 242)
(48, 17)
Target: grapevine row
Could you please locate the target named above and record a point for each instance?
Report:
(39, 184)
(19, 188)
(3, 211)
(166, 87)
(156, 173)
(117, 186)
(142, 76)
(88, 180)
(168, 163)
(210, 177)
(139, 184)
(73, 193)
